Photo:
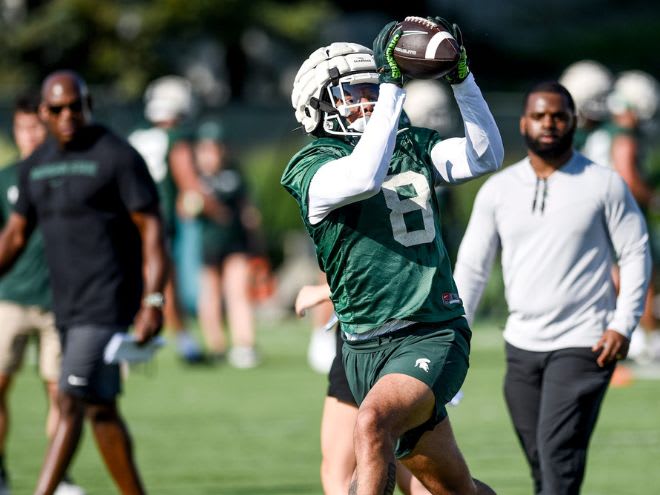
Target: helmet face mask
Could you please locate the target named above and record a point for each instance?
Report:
(325, 84)
(353, 97)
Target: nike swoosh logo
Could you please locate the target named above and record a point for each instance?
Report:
(76, 381)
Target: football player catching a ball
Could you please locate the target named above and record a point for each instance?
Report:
(365, 192)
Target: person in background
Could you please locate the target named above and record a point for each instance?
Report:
(168, 153)
(97, 208)
(25, 297)
(227, 244)
(633, 103)
(612, 115)
(560, 221)
(590, 84)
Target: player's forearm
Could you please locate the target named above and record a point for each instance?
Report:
(361, 174)
(481, 150)
(13, 239)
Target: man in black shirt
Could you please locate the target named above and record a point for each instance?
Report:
(97, 208)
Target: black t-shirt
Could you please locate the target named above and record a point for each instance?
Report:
(82, 197)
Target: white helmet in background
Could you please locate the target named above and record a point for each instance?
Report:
(637, 91)
(168, 98)
(332, 86)
(589, 83)
(428, 104)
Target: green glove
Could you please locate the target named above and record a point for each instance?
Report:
(461, 71)
(388, 70)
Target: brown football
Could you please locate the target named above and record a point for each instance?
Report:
(426, 50)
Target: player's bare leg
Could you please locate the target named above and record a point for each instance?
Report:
(648, 319)
(337, 456)
(172, 309)
(5, 384)
(114, 443)
(396, 404)
(440, 466)
(236, 275)
(53, 415)
(187, 347)
(407, 483)
(63, 444)
(235, 281)
(210, 310)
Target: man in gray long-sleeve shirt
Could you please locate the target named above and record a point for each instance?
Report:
(561, 221)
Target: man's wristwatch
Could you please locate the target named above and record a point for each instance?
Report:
(154, 300)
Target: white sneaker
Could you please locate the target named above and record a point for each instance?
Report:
(68, 488)
(243, 357)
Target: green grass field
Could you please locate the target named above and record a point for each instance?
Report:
(216, 430)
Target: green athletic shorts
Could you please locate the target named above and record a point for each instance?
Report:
(434, 353)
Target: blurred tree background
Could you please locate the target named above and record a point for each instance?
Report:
(241, 57)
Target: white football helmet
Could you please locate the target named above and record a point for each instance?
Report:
(589, 83)
(168, 98)
(428, 104)
(637, 91)
(335, 90)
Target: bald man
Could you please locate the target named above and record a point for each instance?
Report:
(97, 208)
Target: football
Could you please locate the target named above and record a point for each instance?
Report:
(426, 50)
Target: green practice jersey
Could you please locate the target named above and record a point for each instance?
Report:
(383, 256)
(28, 281)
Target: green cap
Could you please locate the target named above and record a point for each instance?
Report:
(210, 129)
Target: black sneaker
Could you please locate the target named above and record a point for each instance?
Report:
(4, 482)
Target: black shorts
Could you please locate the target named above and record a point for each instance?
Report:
(84, 373)
(337, 381)
(216, 257)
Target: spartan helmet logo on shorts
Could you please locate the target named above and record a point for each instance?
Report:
(423, 363)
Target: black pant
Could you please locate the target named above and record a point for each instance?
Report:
(554, 399)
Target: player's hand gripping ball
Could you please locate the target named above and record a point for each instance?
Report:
(426, 49)
(384, 46)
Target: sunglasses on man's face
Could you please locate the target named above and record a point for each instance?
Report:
(75, 107)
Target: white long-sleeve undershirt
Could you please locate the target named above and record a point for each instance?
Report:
(360, 175)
